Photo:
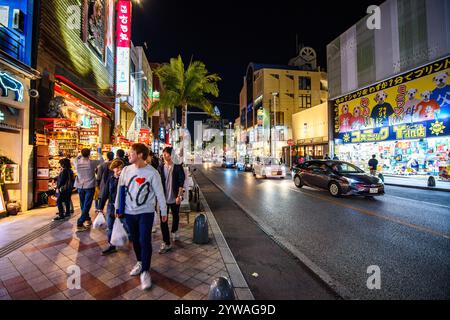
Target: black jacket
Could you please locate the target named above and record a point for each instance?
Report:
(373, 164)
(178, 178)
(109, 191)
(65, 179)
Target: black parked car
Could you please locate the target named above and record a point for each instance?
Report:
(338, 177)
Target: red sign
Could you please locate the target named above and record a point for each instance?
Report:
(144, 136)
(290, 142)
(123, 23)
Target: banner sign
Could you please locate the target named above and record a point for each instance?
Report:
(418, 130)
(123, 39)
(144, 136)
(416, 103)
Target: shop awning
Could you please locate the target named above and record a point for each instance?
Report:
(126, 106)
(18, 66)
(84, 96)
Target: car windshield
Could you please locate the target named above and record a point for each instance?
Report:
(343, 167)
(271, 161)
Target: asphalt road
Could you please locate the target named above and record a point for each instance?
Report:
(406, 233)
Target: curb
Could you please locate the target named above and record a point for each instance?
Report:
(237, 279)
(417, 187)
(334, 285)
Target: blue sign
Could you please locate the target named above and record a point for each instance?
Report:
(162, 134)
(16, 37)
(406, 131)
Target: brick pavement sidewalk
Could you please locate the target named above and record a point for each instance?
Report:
(38, 269)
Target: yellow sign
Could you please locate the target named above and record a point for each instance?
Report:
(417, 96)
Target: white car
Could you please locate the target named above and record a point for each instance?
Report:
(269, 168)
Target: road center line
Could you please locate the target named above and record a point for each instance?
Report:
(428, 203)
(374, 214)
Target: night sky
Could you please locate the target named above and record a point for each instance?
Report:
(228, 35)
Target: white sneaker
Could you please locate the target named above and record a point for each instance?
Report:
(175, 236)
(146, 280)
(136, 269)
(165, 248)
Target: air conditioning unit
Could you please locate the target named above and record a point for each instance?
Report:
(18, 20)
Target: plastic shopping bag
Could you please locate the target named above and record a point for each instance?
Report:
(119, 236)
(99, 221)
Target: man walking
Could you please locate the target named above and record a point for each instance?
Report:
(172, 177)
(103, 174)
(85, 183)
(373, 164)
(142, 186)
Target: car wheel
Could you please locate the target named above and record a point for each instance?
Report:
(298, 182)
(334, 189)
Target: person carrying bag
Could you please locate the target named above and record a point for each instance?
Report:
(64, 188)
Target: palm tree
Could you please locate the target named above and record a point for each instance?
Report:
(183, 88)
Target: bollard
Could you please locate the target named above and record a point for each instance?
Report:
(221, 289)
(194, 201)
(380, 175)
(431, 181)
(201, 235)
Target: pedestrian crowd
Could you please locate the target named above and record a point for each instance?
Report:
(135, 189)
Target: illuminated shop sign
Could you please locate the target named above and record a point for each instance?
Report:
(415, 104)
(123, 36)
(8, 83)
(162, 134)
(420, 130)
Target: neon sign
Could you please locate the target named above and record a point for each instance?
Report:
(123, 35)
(9, 83)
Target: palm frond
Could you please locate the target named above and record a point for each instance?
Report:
(186, 87)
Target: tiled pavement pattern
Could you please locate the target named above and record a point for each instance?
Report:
(38, 269)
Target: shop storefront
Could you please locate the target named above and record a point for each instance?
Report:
(15, 148)
(74, 121)
(404, 122)
(427, 156)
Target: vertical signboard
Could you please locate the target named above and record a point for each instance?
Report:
(123, 35)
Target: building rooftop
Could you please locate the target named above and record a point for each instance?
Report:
(258, 66)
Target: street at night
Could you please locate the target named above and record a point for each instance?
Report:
(222, 159)
(406, 233)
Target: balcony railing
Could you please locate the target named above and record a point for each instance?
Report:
(12, 43)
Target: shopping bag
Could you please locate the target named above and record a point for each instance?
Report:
(99, 221)
(119, 236)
